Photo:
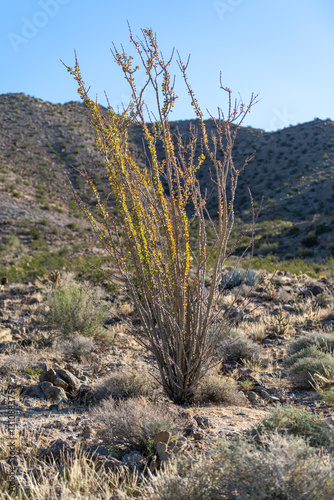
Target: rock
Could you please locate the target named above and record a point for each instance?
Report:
(111, 464)
(163, 452)
(252, 397)
(52, 377)
(56, 451)
(53, 394)
(162, 437)
(203, 422)
(134, 460)
(72, 381)
(198, 436)
(261, 391)
(228, 367)
(34, 300)
(59, 406)
(246, 374)
(33, 391)
(317, 290)
(282, 296)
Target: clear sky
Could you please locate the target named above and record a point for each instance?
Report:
(283, 49)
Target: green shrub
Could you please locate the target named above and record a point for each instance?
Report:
(322, 341)
(310, 240)
(308, 352)
(304, 369)
(71, 310)
(299, 422)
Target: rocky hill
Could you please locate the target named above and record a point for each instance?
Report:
(41, 145)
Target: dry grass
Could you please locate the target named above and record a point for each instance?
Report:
(134, 422)
(282, 467)
(19, 362)
(126, 383)
(218, 389)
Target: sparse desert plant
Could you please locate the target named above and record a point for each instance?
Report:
(34, 372)
(282, 467)
(235, 346)
(280, 324)
(300, 422)
(126, 383)
(77, 346)
(304, 369)
(134, 422)
(70, 310)
(149, 236)
(322, 341)
(246, 385)
(218, 389)
(19, 362)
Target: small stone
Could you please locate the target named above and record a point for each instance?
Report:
(317, 290)
(55, 451)
(33, 391)
(54, 394)
(34, 300)
(162, 437)
(203, 422)
(198, 436)
(252, 397)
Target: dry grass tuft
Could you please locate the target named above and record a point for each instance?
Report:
(126, 383)
(134, 422)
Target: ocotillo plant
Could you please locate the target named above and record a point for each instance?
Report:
(149, 238)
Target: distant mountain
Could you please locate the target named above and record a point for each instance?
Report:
(293, 169)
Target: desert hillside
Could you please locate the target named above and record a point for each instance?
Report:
(42, 145)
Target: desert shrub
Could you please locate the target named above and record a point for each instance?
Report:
(283, 467)
(19, 363)
(322, 341)
(299, 422)
(310, 240)
(217, 389)
(235, 346)
(328, 396)
(71, 311)
(236, 277)
(126, 383)
(304, 369)
(134, 422)
(308, 352)
(78, 346)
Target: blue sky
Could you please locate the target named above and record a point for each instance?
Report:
(282, 49)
